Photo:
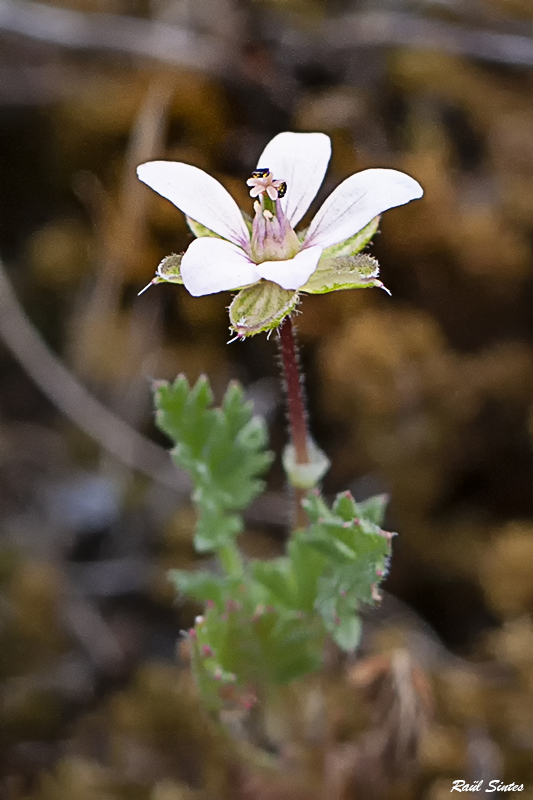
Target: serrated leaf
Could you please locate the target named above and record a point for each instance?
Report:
(307, 566)
(353, 245)
(345, 507)
(347, 633)
(374, 508)
(343, 272)
(275, 576)
(335, 550)
(201, 585)
(261, 307)
(223, 449)
(315, 507)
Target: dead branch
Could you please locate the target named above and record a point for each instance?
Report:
(182, 47)
(73, 399)
(115, 34)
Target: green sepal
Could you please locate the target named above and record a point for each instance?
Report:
(343, 272)
(169, 270)
(261, 307)
(200, 230)
(353, 245)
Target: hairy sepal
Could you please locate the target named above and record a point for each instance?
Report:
(343, 272)
(354, 245)
(169, 270)
(261, 307)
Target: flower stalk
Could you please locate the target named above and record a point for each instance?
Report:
(295, 391)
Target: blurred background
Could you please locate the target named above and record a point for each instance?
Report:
(427, 396)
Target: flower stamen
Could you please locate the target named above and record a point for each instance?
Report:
(262, 182)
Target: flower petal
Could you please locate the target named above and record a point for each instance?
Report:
(357, 200)
(214, 265)
(301, 160)
(294, 272)
(198, 195)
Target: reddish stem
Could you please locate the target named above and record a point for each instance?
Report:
(295, 393)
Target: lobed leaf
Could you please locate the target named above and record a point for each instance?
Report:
(223, 449)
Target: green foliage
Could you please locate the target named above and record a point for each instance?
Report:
(265, 622)
(223, 449)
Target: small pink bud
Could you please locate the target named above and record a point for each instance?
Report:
(343, 593)
(210, 605)
(206, 651)
(192, 634)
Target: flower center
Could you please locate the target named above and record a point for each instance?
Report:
(262, 183)
(273, 238)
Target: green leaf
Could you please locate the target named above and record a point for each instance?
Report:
(275, 576)
(315, 507)
(223, 449)
(307, 566)
(201, 585)
(353, 551)
(345, 507)
(374, 508)
(353, 245)
(333, 549)
(261, 307)
(347, 633)
(343, 272)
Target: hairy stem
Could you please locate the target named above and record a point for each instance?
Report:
(294, 388)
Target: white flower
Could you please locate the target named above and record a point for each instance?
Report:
(289, 174)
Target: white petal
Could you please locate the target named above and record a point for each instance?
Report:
(214, 265)
(357, 200)
(294, 272)
(198, 195)
(301, 160)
